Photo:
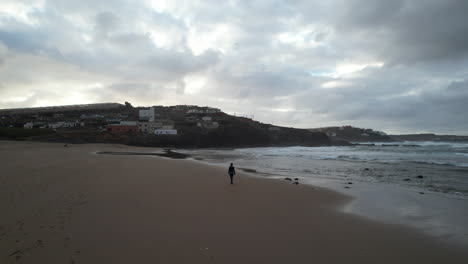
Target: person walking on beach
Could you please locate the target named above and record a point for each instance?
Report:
(232, 172)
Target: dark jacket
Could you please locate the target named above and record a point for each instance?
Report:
(231, 170)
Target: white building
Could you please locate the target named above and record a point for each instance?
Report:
(62, 124)
(149, 127)
(211, 125)
(29, 125)
(128, 123)
(208, 125)
(147, 114)
(212, 110)
(195, 111)
(165, 132)
(208, 110)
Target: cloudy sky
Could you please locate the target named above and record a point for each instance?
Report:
(397, 66)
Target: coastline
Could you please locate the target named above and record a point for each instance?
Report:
(64, 204)
(441, 215)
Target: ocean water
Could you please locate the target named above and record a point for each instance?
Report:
(420, 184)
(442, 165)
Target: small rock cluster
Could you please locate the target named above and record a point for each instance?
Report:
(419, 177)
(296, 180)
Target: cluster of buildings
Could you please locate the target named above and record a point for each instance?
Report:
(157, 120)
(54, 125)
(205, 122)
(159, 127)
(349, 130)
(149, 122)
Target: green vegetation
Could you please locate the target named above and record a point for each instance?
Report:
(17, 133)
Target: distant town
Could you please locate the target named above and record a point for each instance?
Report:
(156, 120)
(174, 126)
(180, 125)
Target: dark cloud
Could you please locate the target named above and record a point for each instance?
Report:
(408, 31)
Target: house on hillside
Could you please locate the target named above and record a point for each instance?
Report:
(91, 116)
(63, 124)
(147, 114)
(212, 110)
(149, 127)
(165, 132)
(208, 125)
(195, 111)
(28, 125)
(211, 125)
(129, 123)
(113, 120)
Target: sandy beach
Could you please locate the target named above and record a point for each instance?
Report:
(70, 205)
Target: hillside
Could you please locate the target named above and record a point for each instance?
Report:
(194, 127)
(353, 134)
(428, 137)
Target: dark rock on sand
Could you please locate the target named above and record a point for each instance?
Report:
(350, 183)
(419, 176)
(288, 179)
(347, 187)
(295, 183)
(421, 192)
(167, 153)
(407, 179)
(366, 169)
(296, 179)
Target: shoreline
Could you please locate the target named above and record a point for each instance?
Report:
(439, 215)
(65, 204)
(358, 204)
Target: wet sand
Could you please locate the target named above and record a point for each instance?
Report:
(70, 205)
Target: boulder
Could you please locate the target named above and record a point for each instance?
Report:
(407, 179)
(350, 183)
(419, 176)
(288, 179)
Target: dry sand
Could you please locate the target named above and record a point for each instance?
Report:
(68, 205)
